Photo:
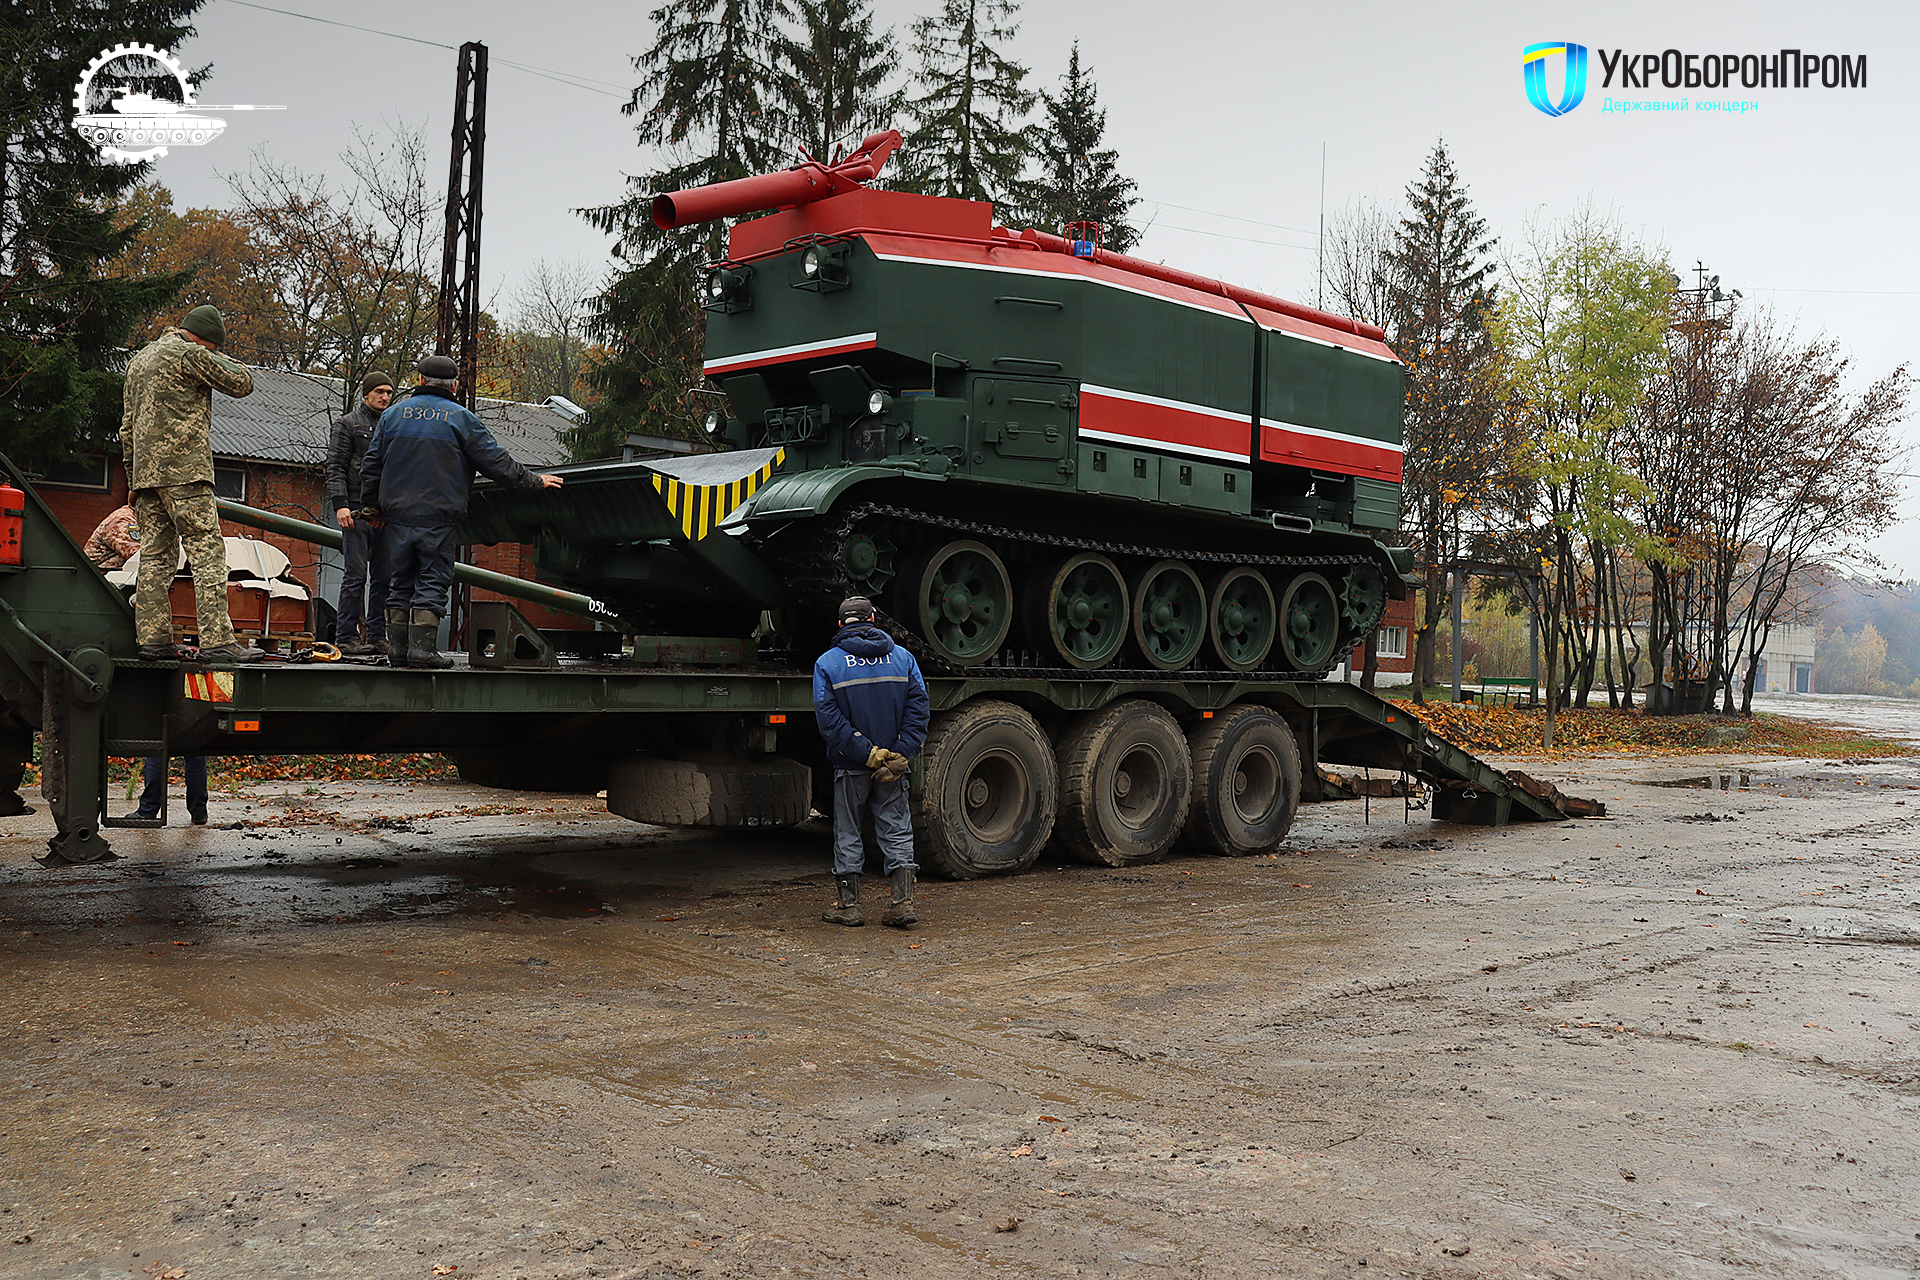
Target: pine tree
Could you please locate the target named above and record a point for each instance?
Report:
(970, 140)
(63, 317)
(707, 94)
(831, 81)
(1079, 181)
(1439, 298)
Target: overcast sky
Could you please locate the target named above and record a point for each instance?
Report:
(1220, 111)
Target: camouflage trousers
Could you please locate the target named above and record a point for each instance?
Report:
(173, 516)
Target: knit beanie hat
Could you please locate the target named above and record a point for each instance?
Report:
(205, 322)
(374, 381)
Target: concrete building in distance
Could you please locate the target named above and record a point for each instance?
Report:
(1785, 664)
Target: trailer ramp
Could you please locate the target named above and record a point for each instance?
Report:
(1351, 726)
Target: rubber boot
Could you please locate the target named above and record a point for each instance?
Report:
(900, 912)
(399, 639)
(426, 640)
(847, 910)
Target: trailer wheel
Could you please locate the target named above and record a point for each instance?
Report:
(987, 792)
(1246, 782)
(576, 772)
(1125, 782)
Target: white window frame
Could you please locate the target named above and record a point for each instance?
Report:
(1391, 642)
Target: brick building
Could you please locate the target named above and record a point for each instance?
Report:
(269, 451)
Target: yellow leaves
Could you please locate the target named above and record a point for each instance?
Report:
(1451, 496)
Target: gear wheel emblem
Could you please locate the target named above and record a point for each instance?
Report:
(115, 111)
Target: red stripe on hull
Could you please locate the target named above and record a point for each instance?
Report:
(1346, 457)
(750, 361)
(1153, 424)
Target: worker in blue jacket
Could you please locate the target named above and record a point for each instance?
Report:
(871, 705)
(416, 477)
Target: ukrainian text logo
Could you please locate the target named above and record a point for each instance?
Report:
(1573, 80)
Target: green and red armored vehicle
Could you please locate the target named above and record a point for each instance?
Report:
(1031, 452)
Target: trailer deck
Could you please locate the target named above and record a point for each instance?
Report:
(515, 712)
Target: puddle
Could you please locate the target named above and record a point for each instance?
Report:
(1739, 780)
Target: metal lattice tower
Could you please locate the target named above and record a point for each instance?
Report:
(459, 322)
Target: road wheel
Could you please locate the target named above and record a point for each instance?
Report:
(987, 792)
(1309, 622)
(1240, 618)
(1076, 610)
(959, 597)
(1125, 782)
(1246, 782)
(1169, 614)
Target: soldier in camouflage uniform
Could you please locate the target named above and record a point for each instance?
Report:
(169, 461)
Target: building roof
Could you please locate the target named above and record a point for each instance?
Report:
(288, 416)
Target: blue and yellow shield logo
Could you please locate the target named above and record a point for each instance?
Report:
(1573, 85)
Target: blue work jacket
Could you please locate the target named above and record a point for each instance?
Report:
(419, 468)
(868, 693)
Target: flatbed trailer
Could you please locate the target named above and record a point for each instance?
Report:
(1116, 768)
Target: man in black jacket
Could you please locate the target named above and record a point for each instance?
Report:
(417, 475)
(364, 543)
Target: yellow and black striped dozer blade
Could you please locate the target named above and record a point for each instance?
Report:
(702, 491)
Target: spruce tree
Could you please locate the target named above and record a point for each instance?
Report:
(64, 317)
(970, 136)
(832, 74)
(1079, 181)
(1439, 297)
(707, 94)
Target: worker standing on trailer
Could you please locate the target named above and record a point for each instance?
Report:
(871, 705)
(115, 540)
(360, 618)
(417, 476)
(169, 461)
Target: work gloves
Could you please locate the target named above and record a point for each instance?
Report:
(888, 766)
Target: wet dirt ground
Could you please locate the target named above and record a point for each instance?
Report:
(349, 1040)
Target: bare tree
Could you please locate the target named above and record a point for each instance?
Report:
(352, 265)
(549, 318)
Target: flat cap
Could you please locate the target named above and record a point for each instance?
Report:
(437, 367)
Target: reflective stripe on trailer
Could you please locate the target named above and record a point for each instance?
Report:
(208, 686)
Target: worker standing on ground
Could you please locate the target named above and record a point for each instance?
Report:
(169, 460)
(417, 477)
(871, 705)
(360, 618)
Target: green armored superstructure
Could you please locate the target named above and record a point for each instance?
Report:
(1032, 453)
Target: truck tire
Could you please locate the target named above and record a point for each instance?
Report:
(1125, 783)
(576, 772)
(987, 792)
(687, 793)
(1246, 782)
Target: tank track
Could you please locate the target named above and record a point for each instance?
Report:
(817, 577)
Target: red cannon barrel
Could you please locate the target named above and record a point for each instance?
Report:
(800, 185)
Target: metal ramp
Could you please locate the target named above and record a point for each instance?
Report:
(1351, 726)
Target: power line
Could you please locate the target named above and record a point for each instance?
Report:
(1277, 226)
(1222, 235)
(568, 78)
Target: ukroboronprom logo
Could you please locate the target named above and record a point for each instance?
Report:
(1573, 79)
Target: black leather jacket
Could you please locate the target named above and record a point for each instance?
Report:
(345, 448)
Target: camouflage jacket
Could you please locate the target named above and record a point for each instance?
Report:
(169, 410)
(115, 540)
